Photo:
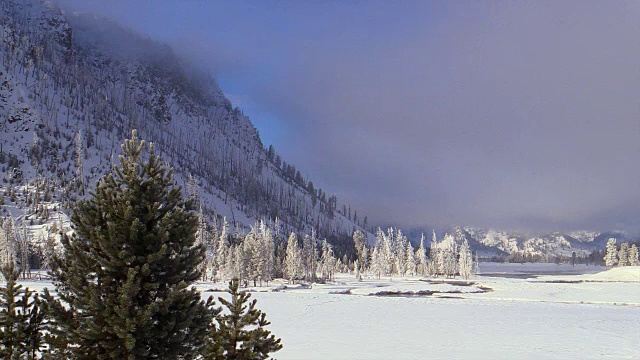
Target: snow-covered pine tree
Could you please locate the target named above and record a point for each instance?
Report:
(611, 256)
(123, 282)
(327, 261)
(306, 256)
(387, 252)
(222, 251)
(410, 259)
(239, 264)
(203, 239)
(310, 256)
(623, 255)
(79, 143)
(254, 255)
(293, 260)
(377, 262)
(267, 253)
(436, 256)
(360, 243)
(24, 250)
(476, 264)
(239, 332)
(421, 258)
(465, 262)
(449, 258)
(399, 250)
(9, 236)
(633, 256)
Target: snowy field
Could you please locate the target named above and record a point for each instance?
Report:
(555, 312)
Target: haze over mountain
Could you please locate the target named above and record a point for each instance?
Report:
(508, 115)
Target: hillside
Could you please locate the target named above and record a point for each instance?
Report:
(73, 86)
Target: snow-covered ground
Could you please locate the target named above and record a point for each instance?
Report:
(576, 314)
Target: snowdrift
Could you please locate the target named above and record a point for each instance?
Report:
(626, 273)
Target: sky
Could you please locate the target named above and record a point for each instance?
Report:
(513, 115)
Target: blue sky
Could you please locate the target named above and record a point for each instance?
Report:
(520, 115)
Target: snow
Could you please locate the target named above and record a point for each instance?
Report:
(315, 326)
(626, 273)
(565, 316)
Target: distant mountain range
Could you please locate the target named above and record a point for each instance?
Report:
(490, 243)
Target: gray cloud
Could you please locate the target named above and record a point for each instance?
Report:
(507, 114)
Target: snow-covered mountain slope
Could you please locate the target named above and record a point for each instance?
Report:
(73, 86)
(494, 243)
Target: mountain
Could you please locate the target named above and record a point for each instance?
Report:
(491, 243)
(72, 88)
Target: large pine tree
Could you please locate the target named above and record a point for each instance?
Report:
(123, 283)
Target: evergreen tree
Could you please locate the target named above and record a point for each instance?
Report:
(633, 256)
(421, 258)
(410, 259)
(327, 261)
(623, 255)
(80, 160)
(239, 333)
(436, 258)
(611, 257)
(252, 248)
(222, 250)
(21, 321)
(267, 251)
(293, 260)
(465, 262)
(476, 264)
(360, 244)
(123, 281)
(377, 262)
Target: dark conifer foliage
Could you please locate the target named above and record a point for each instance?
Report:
(123, 282)
(239, 333)
(21, 320)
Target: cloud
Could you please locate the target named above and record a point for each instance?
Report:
(505, 114)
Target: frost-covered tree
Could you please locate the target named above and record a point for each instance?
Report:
(611, 256)
(293, 261)
(253, 255)
(623, 255)
(239, 264)
(421, 258)
(8, 241)
(399, 253)
(476, 264)
(79, 143)
(410, 258)
(465, 261)
(24, 249)
(266, 252)
(310, 256)
(387, 251)
(436, 257)
(327, 261)
(362, 251)
(203, 238)
(633, 256)
(378, 263)
(222, 251)
(449, 256)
